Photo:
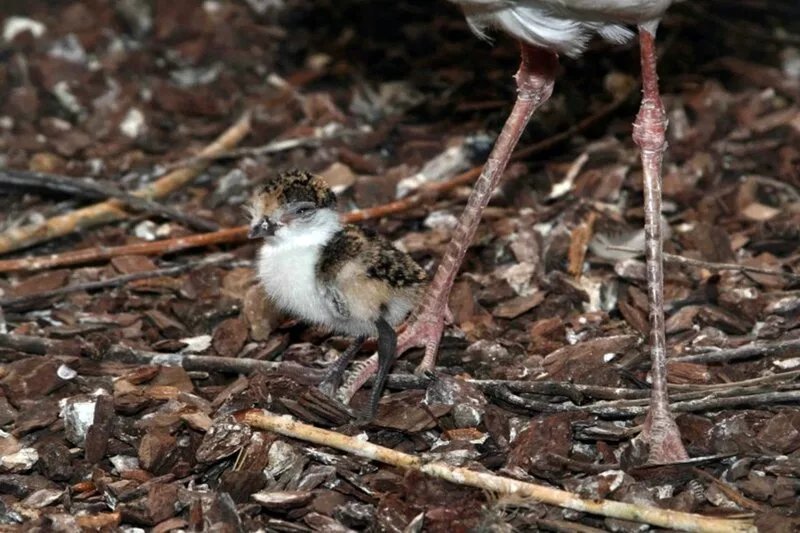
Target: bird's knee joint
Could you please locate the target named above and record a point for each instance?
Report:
(536, 89)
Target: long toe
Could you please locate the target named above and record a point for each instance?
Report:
(426, 332)
(429, 361)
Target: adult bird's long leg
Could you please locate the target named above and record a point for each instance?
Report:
(534, 79)
(333, 377)
(649, 130)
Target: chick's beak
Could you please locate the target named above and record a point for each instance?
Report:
(263, 228)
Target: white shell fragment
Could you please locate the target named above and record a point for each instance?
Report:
(78, 415)
(133, 125)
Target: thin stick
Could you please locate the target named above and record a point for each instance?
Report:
(577, 391)
(89, 188)
(756, 349)
(273, 147)
(712, 265)
(628, 409)
(573, 391)
(93, 255)
(288, 427)
(111, 210)
(212, 363)
(126, 354)
(224, 236)
(115, 281)
(672, 258)
(38, 345)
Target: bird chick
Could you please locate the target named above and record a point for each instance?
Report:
(330, 274)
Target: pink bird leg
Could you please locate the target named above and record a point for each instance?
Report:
(660, 430)
(535, 79)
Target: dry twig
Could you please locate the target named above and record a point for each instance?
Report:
(286, 426)
(116, 281)
(672, 258)
(629, 408)
(89, 188)
(111, 210)
(93, 255)
(712, 265)
(756, 349)
(125, 354)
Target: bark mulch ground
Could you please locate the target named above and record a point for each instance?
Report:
(132, 335)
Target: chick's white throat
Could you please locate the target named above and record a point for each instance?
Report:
(314, 232)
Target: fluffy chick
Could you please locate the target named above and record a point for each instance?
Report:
(330, 274)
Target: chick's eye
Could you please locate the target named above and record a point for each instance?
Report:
(304, 211)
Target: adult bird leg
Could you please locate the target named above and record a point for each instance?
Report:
(534, 79)
(660, 430)
(333, 377)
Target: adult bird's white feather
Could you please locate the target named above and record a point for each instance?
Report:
(565, 26)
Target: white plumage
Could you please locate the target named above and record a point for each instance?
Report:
(565, 26)
(287, 269)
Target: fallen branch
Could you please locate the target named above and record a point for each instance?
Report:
(616, 410)
(672, 258)
(274, 147)
(576, 392)
(111, 210)
(126, 354)
(225, 236)
(716, 397)
(113, 282)
(93, 255)
(288, 427)
(38, 345)
(756, 349)
(92, 189)
(711, 265)
(209, 363)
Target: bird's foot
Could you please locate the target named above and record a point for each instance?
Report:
(425, 332)
(663, 437)
(333, 377)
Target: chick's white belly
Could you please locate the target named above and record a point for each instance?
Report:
(289, 279)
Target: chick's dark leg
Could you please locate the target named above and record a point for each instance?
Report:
(333, 377)
(534, 79)
(387, 349)
(649, 133)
